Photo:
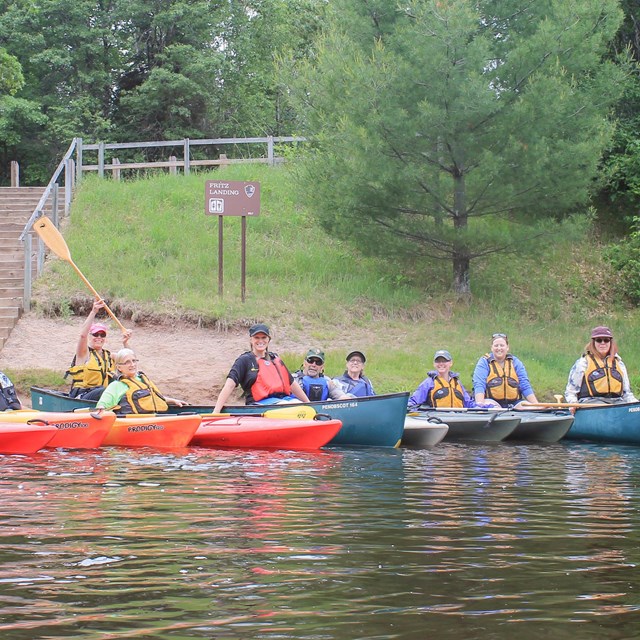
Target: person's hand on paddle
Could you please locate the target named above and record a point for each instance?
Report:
(126, 336)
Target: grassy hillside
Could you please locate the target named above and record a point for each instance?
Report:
(150, 249)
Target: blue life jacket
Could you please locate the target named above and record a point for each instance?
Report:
(360, 388)
(317, 389)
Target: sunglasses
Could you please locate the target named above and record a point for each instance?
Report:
(499, 335)
(315, 361)
(602, 340)
(99, 334)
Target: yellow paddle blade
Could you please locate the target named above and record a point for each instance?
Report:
(292, 412)
(289, 412)
(52, 237)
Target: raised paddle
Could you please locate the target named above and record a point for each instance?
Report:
(54, 240)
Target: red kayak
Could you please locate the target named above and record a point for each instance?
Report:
(17, 437)
(75, 430)
(162, 432)
(264, 433)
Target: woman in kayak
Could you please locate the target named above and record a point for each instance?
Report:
(442, 387)
(500, 378)
(92, 368)
(353, 380)
(132, 391)
(599, 373)
(263, 376)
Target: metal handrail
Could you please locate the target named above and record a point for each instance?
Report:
(39, 210)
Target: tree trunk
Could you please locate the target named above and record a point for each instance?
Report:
(461, 261)
(461, 267)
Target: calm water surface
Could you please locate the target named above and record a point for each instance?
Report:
(456, 542)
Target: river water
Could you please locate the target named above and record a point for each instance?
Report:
(454, 542)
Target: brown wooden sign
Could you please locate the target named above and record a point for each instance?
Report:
(232, 198)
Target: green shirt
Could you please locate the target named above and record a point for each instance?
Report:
(112, 395)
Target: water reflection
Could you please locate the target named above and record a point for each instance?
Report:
(462, 541)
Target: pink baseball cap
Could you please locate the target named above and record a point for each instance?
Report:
(98, 326)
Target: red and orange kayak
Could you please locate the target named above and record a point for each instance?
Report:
(75, 430)
(18, 437)
(264, 433)
(163, 432)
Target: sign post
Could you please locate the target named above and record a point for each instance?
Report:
(231, 198)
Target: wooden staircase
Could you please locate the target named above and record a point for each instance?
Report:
(16, 206)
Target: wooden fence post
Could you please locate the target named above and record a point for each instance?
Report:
(173, 169)
(68, 187)
(101, 160)
(26, 300)
(78, 160)
(115, 172)
(55, 204)
(187, 157)
(270, 159)
(15, 174)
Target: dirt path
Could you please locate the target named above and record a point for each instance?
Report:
(185, 361)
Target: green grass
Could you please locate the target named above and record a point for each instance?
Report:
(148, 247)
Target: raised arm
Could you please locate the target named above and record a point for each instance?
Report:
(82, 348)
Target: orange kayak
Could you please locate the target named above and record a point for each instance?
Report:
(17, 437)
(264, 433)
(75, 430)
(163, 432)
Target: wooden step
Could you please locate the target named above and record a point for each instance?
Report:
(21, 190)
(7, 302)
(10, 312)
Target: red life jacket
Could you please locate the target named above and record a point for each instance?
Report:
(272, 379)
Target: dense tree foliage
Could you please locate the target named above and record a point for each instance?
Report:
(621, 166)
(437, 125)
(116, 70)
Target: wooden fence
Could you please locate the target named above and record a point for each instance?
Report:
(71, 168)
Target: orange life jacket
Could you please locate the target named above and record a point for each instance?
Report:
(503, 384)
(446, 393)
(272, 379)
(601, 379)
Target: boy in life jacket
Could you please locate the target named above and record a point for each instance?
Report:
(442, 387)
(313, 381)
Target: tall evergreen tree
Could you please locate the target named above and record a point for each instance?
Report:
(438, 124)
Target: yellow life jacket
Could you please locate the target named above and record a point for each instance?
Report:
(142, 396)
(97, 371)
(445, 393)
(503, 384)
(601, 379)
